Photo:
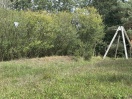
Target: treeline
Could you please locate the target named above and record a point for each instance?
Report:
(41, 33)
(62, 27)
(115, 13)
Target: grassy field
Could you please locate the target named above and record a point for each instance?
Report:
(66, 77)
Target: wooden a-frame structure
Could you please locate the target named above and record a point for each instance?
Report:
(123, 34)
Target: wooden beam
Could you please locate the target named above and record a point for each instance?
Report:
(117, 46)
(127, 36)
(124, 42)
(119, 28)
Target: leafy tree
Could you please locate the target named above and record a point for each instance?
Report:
(115, 13)
(21, 4)
(5, 3)
(66, 40)
(105, 7)
(41, 33)
(90, 29)
(49, 5)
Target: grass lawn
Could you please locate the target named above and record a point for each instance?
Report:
(63, 77)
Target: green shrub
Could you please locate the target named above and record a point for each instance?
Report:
(91, 29)
(41, 33)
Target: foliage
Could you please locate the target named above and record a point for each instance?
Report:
(66, 40)
(115, 13)
(31, 38)
(90, 29)
(41, 33)
(49, 5)
(104, 8)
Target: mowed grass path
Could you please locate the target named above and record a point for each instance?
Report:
(62, 77)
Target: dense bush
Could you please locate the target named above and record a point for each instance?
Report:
(90, 31)
(41, 33)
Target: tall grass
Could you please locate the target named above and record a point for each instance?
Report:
(66, 78)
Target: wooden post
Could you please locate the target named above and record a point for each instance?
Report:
(124, 43)
(119, 28)
(127, 37)
(130, 42)
(124, 34)
(131, 49)
(117, 46)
